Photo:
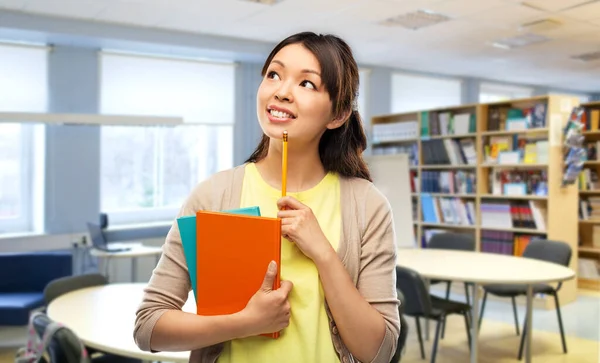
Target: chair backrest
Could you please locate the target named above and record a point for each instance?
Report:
(50, 339)
(402, 337)
(67, 284)
(452, 241)
(549, 251)
(412, 286)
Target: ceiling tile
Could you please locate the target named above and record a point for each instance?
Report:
(131, 12)
(586, 12)
(508, 16)
(86, 9)
(458, 8)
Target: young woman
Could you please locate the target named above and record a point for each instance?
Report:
(337, 301)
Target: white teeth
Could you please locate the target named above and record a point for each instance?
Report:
(279, 114)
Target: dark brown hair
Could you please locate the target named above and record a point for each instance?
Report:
(340, 149)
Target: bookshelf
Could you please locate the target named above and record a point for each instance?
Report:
(589, 202)
(493, 170)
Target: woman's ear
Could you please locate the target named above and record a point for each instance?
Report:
(339, 121)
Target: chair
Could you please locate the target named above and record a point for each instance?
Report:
(420, 304)
(545, 250)
(64, 285)
(62, 345)
(402, 337)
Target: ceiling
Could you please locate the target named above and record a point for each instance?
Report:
(461, 45)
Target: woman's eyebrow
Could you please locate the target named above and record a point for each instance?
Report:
(303, 71)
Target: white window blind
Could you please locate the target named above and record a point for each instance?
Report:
(363, 91)
(494, 92)
(415, 92)
(147, 172)
(23, 88)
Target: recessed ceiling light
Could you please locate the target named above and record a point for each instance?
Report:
(416, 20)
(520, 41)
(587, 57)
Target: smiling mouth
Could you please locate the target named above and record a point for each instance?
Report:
(280, 114)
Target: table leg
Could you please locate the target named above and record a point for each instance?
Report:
(134, 269)
(528, 324)
(474, 324)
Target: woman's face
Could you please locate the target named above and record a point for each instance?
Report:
(293, 97)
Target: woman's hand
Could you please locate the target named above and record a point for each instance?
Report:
(299, 225)
(268, 310)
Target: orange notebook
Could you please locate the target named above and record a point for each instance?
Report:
(232, 256)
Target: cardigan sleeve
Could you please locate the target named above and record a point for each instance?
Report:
(377, 274)
(169, 285)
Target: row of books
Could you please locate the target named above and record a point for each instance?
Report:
(395, 131)
(514, 214)
(588, 268)
(588, 180)
(505, 243)
(589, 208)
(591, 119)
(453, 181)
(517, 149)
(447, 123)
(449, 152)
(518, 182)
(513, 118)
(412, 150)
(591, 148)
(447, 210)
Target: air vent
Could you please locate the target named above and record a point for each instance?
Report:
(587, 57)
(520, 41)
(416, 20)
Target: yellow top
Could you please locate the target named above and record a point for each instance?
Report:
(307, 338)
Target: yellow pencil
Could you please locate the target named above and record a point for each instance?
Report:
(284, 164)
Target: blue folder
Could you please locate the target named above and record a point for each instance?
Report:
(187, 230)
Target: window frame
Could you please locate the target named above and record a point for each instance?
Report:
(31, 161)
(158, 214)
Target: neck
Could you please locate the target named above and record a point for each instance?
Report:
(304, 170)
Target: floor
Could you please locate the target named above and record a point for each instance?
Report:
(498, 342)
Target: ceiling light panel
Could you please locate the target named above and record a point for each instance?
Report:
(520, 41)
(416, 20)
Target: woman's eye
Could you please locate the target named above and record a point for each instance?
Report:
(308, 84)
(273, 75)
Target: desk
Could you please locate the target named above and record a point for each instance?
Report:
(484, 268)
(137, 250)
(104, 317)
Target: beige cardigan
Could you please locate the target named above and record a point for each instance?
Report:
(367, 249)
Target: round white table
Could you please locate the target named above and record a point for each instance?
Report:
(104, 317)
(135, 251)
(484, 268)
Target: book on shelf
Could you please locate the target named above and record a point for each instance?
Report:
(510, 118)
(505, 242)
(451, 181)
(395, 131)
(518, 182)
(443, 123)
(589, 208)
(517, 149)
(591, 119)
(506, 214)
(449, 152)
(447, 210)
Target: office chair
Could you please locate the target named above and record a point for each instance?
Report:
(420, 304)
(545, 250)
(61, 286)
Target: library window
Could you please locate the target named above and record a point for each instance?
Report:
(23, 79)
(493, 92)
(148, 171)
(412, 92)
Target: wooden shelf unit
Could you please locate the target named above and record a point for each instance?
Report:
(588, 252)
(560, 204)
